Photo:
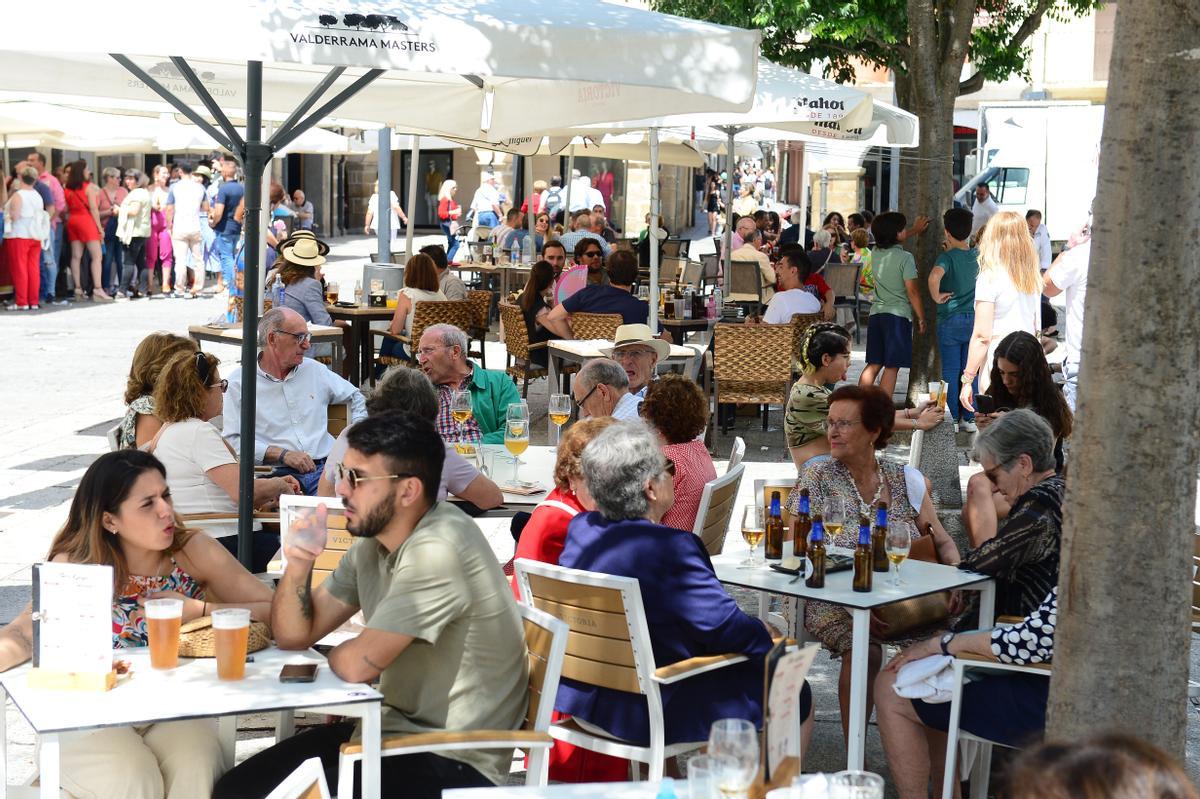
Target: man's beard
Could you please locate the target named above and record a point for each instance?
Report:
(377, 520)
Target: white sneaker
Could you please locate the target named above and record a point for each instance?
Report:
(967, 426)
(15, 307)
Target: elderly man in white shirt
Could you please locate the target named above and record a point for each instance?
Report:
(602, 389)
(291, 428)
(486, 203)
(984, 209)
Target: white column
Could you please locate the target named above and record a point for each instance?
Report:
(730, 160)
(654, 210)
(412, 195)
(383, 203)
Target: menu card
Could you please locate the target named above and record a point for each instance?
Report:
(72, 618)
(781, 726)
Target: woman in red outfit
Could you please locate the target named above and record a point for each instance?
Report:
(22, 244)
(83, 227)
(677, 408)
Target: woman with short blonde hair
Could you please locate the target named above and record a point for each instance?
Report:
(1008, 294)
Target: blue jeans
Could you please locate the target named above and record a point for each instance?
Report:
(50, 261)
(487, 219)
(451, 242)
(308, 480)
(226, 249)
(954, 338)
(114, 257)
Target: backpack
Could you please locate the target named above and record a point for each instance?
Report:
(553, 201)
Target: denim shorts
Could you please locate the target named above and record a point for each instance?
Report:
(889, 340)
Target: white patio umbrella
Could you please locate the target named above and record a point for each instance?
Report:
(473, 68)
(174, 137)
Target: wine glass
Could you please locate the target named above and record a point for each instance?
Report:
(736, 739)
(644, 293)
(705, 773)
(896, 546)
(460, 409)
(560, 412)
(835, 518)
(516, 441)
(753, 530)
(517, 410)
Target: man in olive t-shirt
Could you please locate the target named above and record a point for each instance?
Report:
(443, 634)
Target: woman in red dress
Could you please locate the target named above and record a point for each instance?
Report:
(83, 227)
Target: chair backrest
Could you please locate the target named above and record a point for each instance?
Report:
(711, 265)
(516, 334)
(716, 508)
(438, 312)
(481, 304)
(545, 645)
(671, 268)
(800, 323)
(745, 278)
(623, 245)
(757, 353)
(609, 643)
(336, 543)
(588, 326)
(693, 271)
(114, 438)
(306, 782)
(842, 278)
(339, 418)
(673, 248)
(736, 454)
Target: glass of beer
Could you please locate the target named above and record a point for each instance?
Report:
(753, 530)
(163, 617)
(516, 441)
(460, 409)
(560, 412)
(935, 392)
(232, 629)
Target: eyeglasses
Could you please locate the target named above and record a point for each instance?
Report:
(579, 403)
(427, 351)
(670, 467)
(841, 425)
(352, 476)
(640, 352)
(222, 384)
(592, 254)
(991, 473)
(301, 338)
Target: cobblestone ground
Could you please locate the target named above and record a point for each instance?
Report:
(64, 373)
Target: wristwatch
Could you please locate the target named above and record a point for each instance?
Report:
(946, 639)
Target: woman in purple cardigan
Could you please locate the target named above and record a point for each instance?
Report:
(688, 612)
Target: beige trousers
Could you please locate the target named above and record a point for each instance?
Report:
(173, 760)
(181, 246)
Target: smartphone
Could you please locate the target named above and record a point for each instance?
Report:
(985, 404)
(298, 672)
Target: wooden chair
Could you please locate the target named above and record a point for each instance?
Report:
(736, 454)
(588, 326)
(306, 782)
(516, 342)
(481, 305)
(800, 323)
(338, 415)
(717, 504)
(337, 542)
(546, 642)
(752, 364)
(745, 280)
(426, 313)
(609, 646)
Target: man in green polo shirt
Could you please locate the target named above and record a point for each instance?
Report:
(443, 635)
(442, 354)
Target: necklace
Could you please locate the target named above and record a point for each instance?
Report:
(878, 491)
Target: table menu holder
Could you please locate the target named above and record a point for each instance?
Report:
(72, 627)
(783, 679)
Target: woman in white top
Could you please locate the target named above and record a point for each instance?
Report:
(398, 215)
(202, 469)
(23, 240)
(420, 285)
(1007, 294)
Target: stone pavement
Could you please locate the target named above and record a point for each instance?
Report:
(65, 372)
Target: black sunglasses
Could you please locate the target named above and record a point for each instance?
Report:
(593, 254)
(203, 368)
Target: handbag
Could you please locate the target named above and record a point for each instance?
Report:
(912, 614)
(197, 639)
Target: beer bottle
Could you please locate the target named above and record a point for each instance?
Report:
(801, 526)
(879, 540)
(774, 545)
(863, 556)
(816, 554)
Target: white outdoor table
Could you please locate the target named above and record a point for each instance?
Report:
(537, 465)
(920, 578)
(584, 790)
(580, 351)
(190, 691)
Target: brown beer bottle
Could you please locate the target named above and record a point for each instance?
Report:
(863, 556)
(801, 526)
(774, 546)
(879, 540)
(816, 554)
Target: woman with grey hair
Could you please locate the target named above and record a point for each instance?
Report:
(688, 612)
(1017, 455)
(108, 203)
(409, 391)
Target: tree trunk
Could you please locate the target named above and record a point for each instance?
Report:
(1122, 640)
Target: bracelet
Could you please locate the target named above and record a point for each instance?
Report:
(282, 454)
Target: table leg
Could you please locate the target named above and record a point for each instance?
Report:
(987, 604)
(365, 354)
(860, 654)
(285, 727)
(227, 737)
(371, 738)
(48, 775)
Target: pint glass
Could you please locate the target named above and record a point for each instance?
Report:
(231, 626)
(163, 617)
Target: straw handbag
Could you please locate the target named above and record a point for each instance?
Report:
(913, 614)
(198, 640)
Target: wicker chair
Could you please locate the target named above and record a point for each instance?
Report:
(800, 323)
(425, 313)
(587, 326)
(481, 303)
(516, 342)
(752, 364)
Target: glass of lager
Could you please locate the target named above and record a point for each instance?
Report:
(163, 617)
(232, 629)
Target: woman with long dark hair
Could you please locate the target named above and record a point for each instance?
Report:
(83, 227)
(533, 305)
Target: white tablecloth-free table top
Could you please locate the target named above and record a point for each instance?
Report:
(537, 465)
(586, 790)
(188, 691)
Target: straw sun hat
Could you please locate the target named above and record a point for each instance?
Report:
(304, 249)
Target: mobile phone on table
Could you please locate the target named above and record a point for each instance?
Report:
(985, 404)
(298, 672)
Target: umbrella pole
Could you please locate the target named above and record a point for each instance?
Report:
(728, 236)
(383, 198)
(569, 180)
(531, 212)
(255, 158)
(653, 234)
(412, 196)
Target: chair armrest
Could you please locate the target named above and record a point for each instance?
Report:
(541, 345)
(465, 739)
(693, 666)
(384, 334)
(260, 515)
(971, 660)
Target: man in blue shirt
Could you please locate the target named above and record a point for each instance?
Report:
(220, 216)
(614, 298)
